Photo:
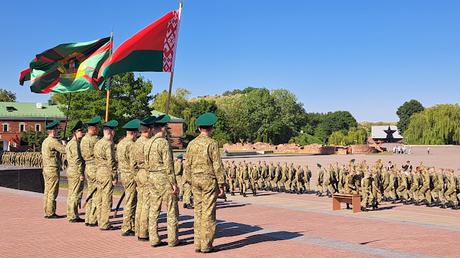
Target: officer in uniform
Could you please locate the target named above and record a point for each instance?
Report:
(106, 173)
(141, 178)
(75, 173)
(127, 175)
(87, 152)
(51, 148)
(204, 170)
(162, 183)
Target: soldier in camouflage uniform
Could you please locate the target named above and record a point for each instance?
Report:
(87, 152)
(162, 183)
(75, 173)
(179, 171)
(124, 149)
(204, 170)
(106, 173)
(51, 148)
(320, 181)
(253, 177)
(232, 177)
(141, 178)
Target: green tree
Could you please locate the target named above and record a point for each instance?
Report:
(305, 139)
(334, 121)
(7, 96)
(405, 111)
(177, 105)
(435, 125)
(33, 139)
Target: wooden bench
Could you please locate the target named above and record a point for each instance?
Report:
(353, 199)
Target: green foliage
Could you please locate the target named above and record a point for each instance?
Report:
(33, 139)
(332, 122)
(7, 96)
(405, 111)
(353, 136)
(238, 91)
(435, 125)
(129, 98)
(177, 105)
(305, 139)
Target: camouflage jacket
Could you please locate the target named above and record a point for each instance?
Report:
(104, 153)
(159, 158)
(203, 157)
(51, 148)
(74, 159)
(137, 154)
(87, 148)
(124, 148)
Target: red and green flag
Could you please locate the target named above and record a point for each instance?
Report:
(70, 67)
(151, 49)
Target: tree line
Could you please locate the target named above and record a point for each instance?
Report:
(251, 115)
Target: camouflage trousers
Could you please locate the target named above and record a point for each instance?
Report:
(143, 204)
(205, 193)
(179, 184)
(319, 187)
(425, 194)
(75, 188)
(253, 184)
(161, 193)
(451, 196)
(401, 191)
(244, 185)
(91, 187)
(51, 179)
(438, 193)
(104, 197)
(231, 184)
(307, 185)
(127, 179)
(287, 185)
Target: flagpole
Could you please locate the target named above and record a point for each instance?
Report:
(171, 77)
(67, 114)
(107, 97)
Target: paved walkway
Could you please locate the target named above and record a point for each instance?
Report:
(269, 225)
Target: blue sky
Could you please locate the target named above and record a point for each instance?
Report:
(367, 57)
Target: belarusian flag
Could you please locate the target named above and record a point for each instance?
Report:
(151, 49)
(70, 67)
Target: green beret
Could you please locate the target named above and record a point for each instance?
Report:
(95, 120)
(51, 125)
(148, 121)
(206, 120)
(162, 120)
(78, 125)
(111, 124)
(132, 125)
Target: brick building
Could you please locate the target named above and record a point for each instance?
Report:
(18, 117)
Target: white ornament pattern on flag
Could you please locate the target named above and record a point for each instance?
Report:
(169, 46)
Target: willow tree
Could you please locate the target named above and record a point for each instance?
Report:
(436, 125)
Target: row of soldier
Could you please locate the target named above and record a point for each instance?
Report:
(21, 159)
(148, 173)
(267, 176)
(420, 186)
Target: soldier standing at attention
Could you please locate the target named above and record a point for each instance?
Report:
(51, 148)
(127, 176)
(87, 152)
(179, 171)
(162, 183)
(75, 173)
(141, 177)
(204, 170)
(106, 173)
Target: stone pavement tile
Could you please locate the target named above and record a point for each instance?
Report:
(26, 233)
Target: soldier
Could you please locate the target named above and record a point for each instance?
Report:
(106, 173)
(124, 149)
(451, 192)
(366, 191)
(307, 178)
(141, 178)
(75, 173)
(320, 181)
(253, 178)
(232, 177)
(425, 191)
(51, 148)
(179, 171)
(161, 183)
(87, 152)
(204, 170)
(243, 178)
